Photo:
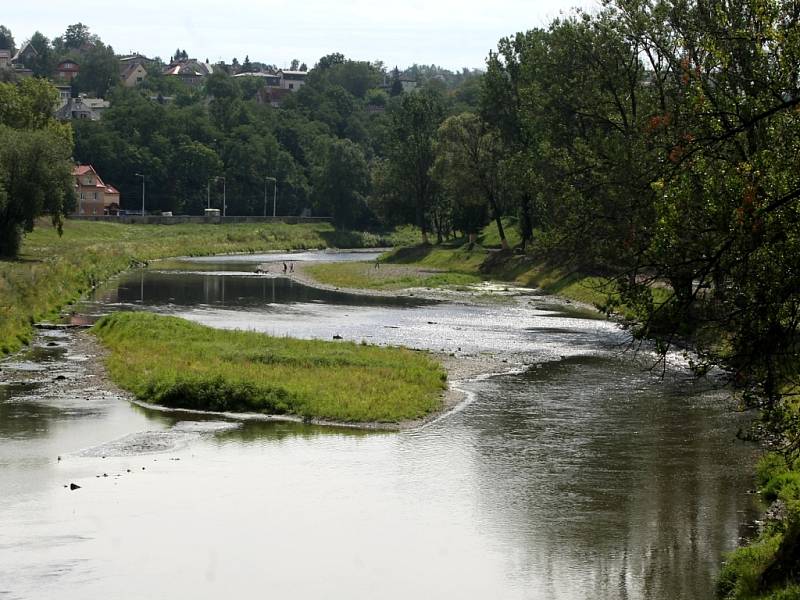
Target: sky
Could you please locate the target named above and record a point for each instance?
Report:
(449, 33)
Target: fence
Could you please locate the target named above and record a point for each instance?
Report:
(178, 219)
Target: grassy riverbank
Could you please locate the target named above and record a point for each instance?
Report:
(769, 567)
(52, 271)
(457, 264)
(172, 362)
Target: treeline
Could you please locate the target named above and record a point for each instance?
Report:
(326, 145)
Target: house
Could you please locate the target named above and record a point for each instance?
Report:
(26, 53)
(95, 197)
(64, 96)
(67, 70)
(132, 73)
(5, 59)
(270, 79)
(78, 108)
(191, 71)
(293, 80)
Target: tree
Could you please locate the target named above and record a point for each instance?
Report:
(342, 183)
(7, 40)
(35, 164)
(327, 61)
(76, 36)
(294, 65)
(468, 168)
(247, 66)
(43, 61)
(414, 125)
(99, 70)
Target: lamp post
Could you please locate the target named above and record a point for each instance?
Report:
(208, 193)
(142, 176)
(274, 194)
(224, 197)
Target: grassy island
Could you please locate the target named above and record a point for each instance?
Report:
(173, 362)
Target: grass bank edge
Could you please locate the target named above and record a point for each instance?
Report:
(54, 271)
(179, 364)
(768, 567)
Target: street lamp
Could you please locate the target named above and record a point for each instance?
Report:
(142, 176)
(274, 194)
(208, 193)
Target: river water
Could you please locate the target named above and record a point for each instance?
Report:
(578, 475)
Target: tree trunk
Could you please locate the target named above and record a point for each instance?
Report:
(500, 231)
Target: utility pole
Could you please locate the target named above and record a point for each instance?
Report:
(275, 187)
(142, 176)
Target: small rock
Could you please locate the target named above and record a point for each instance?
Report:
(51, 344)
(59, 378)
(337, 337)
(105, 474)
(74, 486)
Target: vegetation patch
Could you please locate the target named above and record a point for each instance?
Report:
(362, 275)
(769, 567)
(173, 362)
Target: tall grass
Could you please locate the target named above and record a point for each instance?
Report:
(170, 361)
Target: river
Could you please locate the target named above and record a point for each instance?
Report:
(577, 474)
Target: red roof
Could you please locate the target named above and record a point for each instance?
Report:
(110, 189)
(83, 170)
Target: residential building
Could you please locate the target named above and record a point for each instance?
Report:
(293, 80)
(67, 70)
(95, 197)
(269, 79)
(79, 108)
(64, 96)
(5, 59)
(24, 54)
(132, 73)
(191, 71)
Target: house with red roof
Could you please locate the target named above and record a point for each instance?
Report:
(95, 197)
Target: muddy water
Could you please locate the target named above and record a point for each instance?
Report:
(578, 476)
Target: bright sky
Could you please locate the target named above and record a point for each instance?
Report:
(450, 33)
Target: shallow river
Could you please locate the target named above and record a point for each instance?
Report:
(581, 475)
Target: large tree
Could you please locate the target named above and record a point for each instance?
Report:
(35, 165)
(414, 124)
(468, 167)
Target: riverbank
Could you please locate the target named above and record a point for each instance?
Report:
(54, 271)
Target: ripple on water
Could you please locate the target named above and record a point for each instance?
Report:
(153, 442)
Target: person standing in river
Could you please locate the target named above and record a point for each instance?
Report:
(284, 268)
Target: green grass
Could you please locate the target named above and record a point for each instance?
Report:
(768, 568)
(363, 275)
(172, 362)
(53, 271)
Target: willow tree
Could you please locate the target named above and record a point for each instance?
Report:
(35, 163)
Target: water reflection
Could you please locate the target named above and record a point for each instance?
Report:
(582, 477)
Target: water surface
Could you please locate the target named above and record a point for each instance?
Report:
(580, 476)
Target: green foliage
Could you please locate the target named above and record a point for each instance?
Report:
(7, 40)
(768, 567)
(341, 184)
(35, 166)
(169, 361)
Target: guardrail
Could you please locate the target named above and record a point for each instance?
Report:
(179, 219)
